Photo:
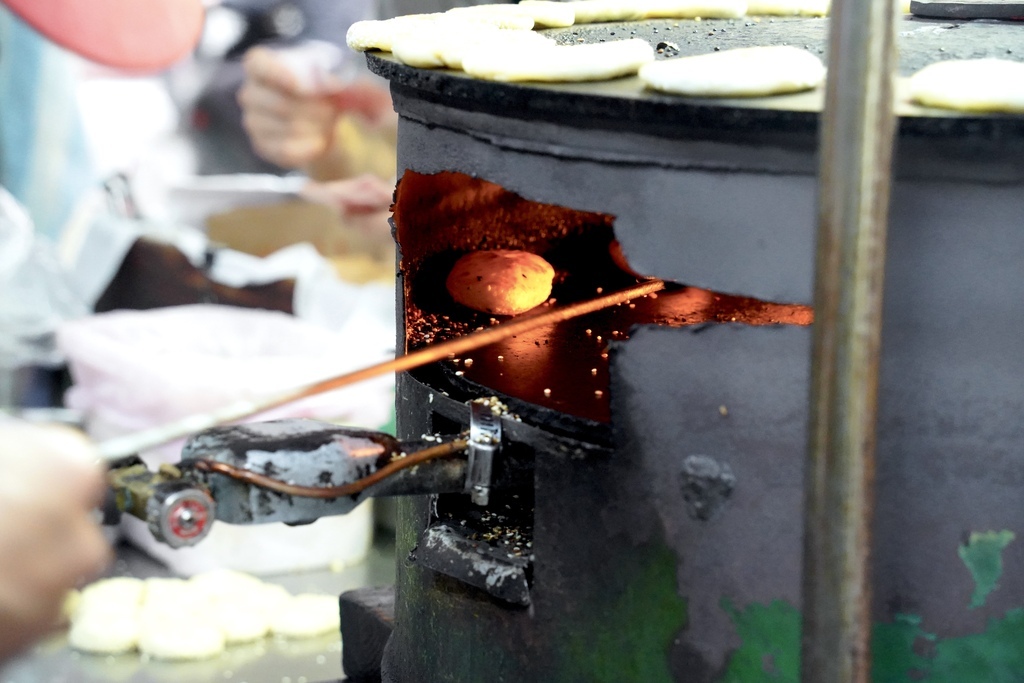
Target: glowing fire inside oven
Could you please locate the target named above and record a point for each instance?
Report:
(439, 218)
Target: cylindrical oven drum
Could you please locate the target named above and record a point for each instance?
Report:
(666, 542)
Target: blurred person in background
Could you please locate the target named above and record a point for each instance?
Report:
(325, 132)
(240, 25)
(337, 133)
(289, 96)
(44, 162)
(52, 481)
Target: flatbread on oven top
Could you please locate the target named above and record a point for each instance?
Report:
(743, 72)
(978, 85)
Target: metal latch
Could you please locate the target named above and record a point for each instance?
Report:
(484, 442)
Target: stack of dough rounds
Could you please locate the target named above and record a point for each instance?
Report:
(177, 619)
(381, 34)
(374, 34)
(501, 281)
(568, 63)
(690, 9)
(307, 615)
(598, 11)
(743, 72)
(595, 11)
(978, 85)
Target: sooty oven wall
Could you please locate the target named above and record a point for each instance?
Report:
(673, 552)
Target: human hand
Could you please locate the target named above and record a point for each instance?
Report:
(290, 119)
(50, 484)
(364, 203)
(360, 195)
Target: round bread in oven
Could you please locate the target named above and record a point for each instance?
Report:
(501, 281)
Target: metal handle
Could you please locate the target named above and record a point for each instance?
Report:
(857, 132)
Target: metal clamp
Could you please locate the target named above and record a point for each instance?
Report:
(484, 442)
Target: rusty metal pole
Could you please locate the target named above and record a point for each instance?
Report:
(856, 141)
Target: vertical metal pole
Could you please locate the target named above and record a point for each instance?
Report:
(857, 132)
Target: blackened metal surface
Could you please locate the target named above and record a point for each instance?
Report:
(706, 485)
(598, 552)
(449, 551)
(233, 443)
(367, 620)
(968, 9)
(307, 453)
(744, 405)
(950, 437)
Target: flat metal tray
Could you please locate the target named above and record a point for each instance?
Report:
(311, 660)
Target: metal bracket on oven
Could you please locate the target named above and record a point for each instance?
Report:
(484, 442)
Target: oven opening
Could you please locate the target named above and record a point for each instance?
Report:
(441, 217)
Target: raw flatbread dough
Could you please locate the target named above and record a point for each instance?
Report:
(501, 281)
(240, 620)
(594, 11)
(543, 13)
(788, 8)
(172, 597)
(307, 615)
(689, 9)
(183, 637)
(105, 632)
(105, 616)
(380, 34)
(979, 85)
(446, 46)
(453, 53)
(122, 592)
(239, 603)
(559, 64)
(216, 583)
(743, 72)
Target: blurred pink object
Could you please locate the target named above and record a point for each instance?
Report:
(137, 369)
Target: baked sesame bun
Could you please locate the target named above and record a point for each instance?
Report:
(501, 281)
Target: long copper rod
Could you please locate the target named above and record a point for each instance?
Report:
(129, 444)
(857, 133)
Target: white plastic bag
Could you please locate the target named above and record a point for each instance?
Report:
(138, 369)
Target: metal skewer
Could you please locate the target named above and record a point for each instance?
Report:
(130, 444)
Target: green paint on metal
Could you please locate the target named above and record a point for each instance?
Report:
(995, 656)
(893, 655)
(983, 556)
(770, 643)
(769, 635)
(629, 638)
(770, 649)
